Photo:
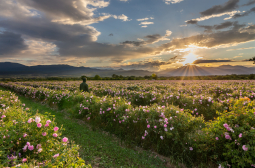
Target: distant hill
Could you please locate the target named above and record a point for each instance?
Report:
(16, 69)
(8, 69)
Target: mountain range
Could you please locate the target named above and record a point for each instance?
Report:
(8, 69)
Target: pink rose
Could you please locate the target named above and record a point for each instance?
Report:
(227, 137)
(240, 135)
(46, 125)
(148, 126)
(55, 135)
(24, 135)
(56, 155)
(39, 125)
(245, 148)
(44, 133)
(65, 139)
(56, 128)
(217, 138)
(29, 120)
(48, 121)
(155, 126)
(24, 160)
(31, 147)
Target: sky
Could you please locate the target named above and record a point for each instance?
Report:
(152, 35)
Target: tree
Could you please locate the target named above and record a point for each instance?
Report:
(97, 77)
(154, 76)
(252, 59)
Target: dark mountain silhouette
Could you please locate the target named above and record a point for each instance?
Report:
(8, 69)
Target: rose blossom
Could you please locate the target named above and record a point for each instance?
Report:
(245, 148)
(55, 135)
(39, 125)
(29, 120)
(56, 128)
(31, 147)
(44, 133)
(65, 139)
(24, 160)
(37, 119)
(56, 155)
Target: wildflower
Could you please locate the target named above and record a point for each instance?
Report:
(56, 128)
(37, 119)
(217, 138)
(143, 137)
(225, 125)
(227, 136)
(3, 116)
(165, 125)
(27, 109)
(148, 126)
(55, 135)
(88, 118)
(190, 148)
(65, 139)
(44, 133)
(240, 135)
(29, 120)
(220, 166)
(39, 150)
(24, 148)
(31, 147)
(24, 160)
(48, 122)
(155, 126)
(56, 155)
(46, 125)
(24, 135)
(39, 125)
(161, 137)
(245, 148)
(171, 128)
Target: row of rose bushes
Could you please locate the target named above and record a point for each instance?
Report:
(184, 97)
(166, 129)
(32, 140)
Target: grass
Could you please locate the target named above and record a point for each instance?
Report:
(96, 147)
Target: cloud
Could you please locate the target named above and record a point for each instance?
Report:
(244, 14)
(121, 17)
(168, 2)
(251, 2)
(144, 19)
(210, 61)
(124, 0)
(218, 9)
(151, 65)
(146, 23)
(183, 25)
(111, 34)
(227, 38)
(240, 49)
(231, 14)
(11, 43)
(150, 39)
(223, 25)
(237, 56)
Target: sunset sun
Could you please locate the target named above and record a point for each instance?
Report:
(190, 58)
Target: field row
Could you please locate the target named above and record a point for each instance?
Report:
(165, 128)
(32, 140)
(201, 99)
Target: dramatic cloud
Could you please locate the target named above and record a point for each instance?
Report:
(228, 6)
(210, 61)
(251, 2)
(241, 49)
(208, 29)
(228, 38)
(11, 43)
(231, 14)
(151, 65)
(244, 14)
(150, 39)
(168, 2)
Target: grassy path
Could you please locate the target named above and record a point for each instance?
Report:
(96, 148)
